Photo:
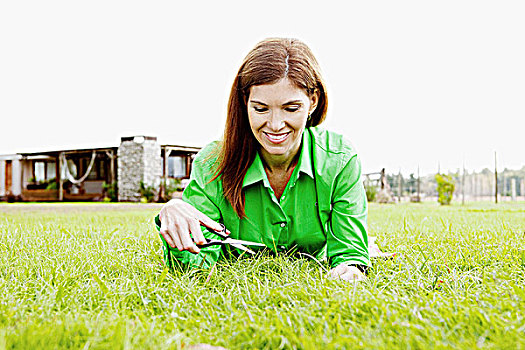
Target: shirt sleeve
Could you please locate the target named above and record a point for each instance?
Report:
(199, 193)
(347, 237)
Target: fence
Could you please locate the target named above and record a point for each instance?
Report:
(470, 186)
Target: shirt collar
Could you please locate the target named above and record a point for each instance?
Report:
(305, 158)
(256, 173)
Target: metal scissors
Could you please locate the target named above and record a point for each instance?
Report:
(227, 240)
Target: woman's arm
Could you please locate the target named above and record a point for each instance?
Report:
(178, 218)
(347, 237)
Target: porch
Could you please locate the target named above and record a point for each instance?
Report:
(72, 175)
(176, 168)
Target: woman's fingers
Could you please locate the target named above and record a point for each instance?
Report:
(168, 231)
(352, 276)
(338, 271)
(176, 238)
(196, 232)
(207, 222)
(165, 234)
(194, 222)
(181, 225)
(191, 212)
(184, 234)
(347, 273)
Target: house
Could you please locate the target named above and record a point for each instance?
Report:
(81, 174)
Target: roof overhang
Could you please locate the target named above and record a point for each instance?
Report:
(190, 149)
(10, 156)
(67, 151)
(40, 157)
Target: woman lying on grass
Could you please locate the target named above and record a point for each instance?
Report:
(275, 178)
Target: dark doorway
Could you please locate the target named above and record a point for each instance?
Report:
(8, 177)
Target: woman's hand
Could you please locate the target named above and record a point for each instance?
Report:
(347, 273)
(178, 220)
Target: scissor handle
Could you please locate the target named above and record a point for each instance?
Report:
(210, 242)
(222, 233)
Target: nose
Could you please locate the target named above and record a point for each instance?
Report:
(276, 121)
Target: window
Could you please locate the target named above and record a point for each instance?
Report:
(51, 171)
(177, 166)
(101, 167)
(93, 173)
(40, 171)
(98, 171)
(44, 170)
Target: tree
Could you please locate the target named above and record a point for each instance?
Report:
(445, 188)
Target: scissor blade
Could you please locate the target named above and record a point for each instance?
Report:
(241, 247)
(238, 241)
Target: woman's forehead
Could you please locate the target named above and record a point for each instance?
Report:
(280, 92)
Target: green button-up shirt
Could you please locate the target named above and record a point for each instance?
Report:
(322, 211)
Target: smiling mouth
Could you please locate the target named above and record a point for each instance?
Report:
(277, 138)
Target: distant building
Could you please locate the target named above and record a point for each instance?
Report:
(80, 174)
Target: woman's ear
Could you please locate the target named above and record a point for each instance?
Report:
(314, 99)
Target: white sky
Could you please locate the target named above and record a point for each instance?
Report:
(410, 82)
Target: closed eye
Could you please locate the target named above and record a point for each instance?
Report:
(260, 109)
(292, 106)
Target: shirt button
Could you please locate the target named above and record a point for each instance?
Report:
(283, 224)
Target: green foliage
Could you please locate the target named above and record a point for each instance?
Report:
(172, 186)
(445, 188)
(49, 184)
(111, 192)
(371, 192)
(52, 185)
(91, 276)
(147, 192)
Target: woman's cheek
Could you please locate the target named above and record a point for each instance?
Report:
(256, 122)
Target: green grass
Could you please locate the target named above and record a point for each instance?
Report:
(92, 277)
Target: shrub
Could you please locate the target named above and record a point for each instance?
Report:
(147, 192)
(110, 192)
(52, 186)
(445, 188)
(371, 192)
(172, 186)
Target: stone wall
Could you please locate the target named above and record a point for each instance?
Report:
(138, 160)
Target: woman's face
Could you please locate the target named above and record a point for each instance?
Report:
(278, 113)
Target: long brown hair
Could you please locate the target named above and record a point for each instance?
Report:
(271, 60)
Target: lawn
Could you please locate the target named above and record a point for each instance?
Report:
(92, 277)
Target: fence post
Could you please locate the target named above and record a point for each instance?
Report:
(418, 186)
(60, 179)
(496, 178)
(463, 185)
(400, 186)
(504, 189)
